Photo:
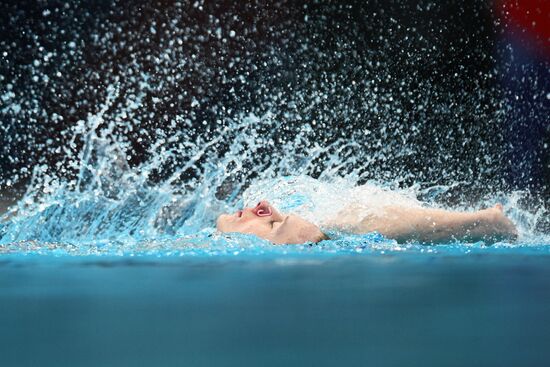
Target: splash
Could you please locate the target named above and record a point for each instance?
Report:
(110, 208)
(131, 133)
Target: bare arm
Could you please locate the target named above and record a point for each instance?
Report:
(436, 225)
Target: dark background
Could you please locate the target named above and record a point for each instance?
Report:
(434, 93)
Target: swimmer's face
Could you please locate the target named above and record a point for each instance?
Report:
(266, 222)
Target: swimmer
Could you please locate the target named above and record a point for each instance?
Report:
(395, 222)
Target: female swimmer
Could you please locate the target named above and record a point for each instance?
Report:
(396, 222)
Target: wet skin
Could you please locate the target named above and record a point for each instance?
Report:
(266, 222)
(400, 223)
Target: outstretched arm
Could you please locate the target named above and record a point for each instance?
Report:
(436, 225)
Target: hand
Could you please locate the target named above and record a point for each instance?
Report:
(496, 224)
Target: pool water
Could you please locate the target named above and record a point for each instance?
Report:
(453, 305)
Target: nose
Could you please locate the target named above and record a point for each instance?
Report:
(262, 209)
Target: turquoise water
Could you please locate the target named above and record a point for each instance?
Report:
(489, 307)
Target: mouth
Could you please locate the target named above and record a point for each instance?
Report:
(263, 209)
